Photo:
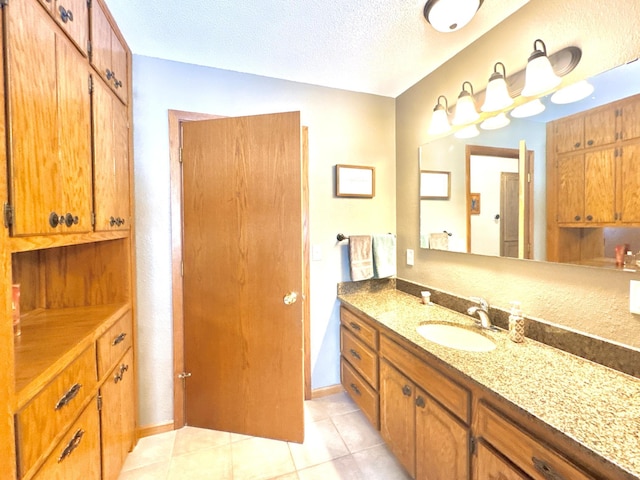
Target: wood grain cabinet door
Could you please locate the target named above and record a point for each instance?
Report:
(599, 186)
(110, 160)
(629, 184)
(488, 465)
(117, 417)
(73, 17)
(442, 442)
(569, 135)
(397, 415)
(570, 188)
(600, 127)
(630, 119)
(49, 110)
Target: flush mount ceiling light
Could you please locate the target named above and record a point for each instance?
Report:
(466, 107)
(440, 118)
(450, 15)
(539, 75)
(572, 93)
(497, 94)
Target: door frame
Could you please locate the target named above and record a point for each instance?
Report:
(176, 117)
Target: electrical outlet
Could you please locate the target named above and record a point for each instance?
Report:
(409, 256)
(634, 296)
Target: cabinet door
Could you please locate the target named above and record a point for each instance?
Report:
(101, 42)
(74, 137)
(117, 418)
(33, 147)
(111, 160)
(73, 17)
(489, 466)
(397, 415)
(599, 186)
(570, 191)
(600, 127)
(442, 442)
(630, 120)
(119, 64)
(629, 184)
(569, 134)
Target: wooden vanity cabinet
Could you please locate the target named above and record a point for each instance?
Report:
(359, 363)
(423, 416)
(488, 464)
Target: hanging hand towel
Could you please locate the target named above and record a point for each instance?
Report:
(360, 257)
(384, 255)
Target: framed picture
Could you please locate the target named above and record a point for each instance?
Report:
(355, 181)
(435, 185)
(474, 205)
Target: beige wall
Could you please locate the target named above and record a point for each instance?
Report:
(591, 300)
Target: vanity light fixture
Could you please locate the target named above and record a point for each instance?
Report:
(466, 107)
(528, 109)
(572, 93)
(494, 123)
(497, 94)
(450, 15)
(539, 74)
(440, 118)
(469, 131)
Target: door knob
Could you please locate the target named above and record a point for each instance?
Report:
(290, 298)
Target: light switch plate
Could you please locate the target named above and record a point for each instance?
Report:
(316, 253)
(409, 256)
(634, 296)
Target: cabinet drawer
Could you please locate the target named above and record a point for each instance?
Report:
(77, 456)
(446, 391)
(54, 408)
(361, 357)
(534, 458)
(361, 328)
(366, 397)
(113, 343)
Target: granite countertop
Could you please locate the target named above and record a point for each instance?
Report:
(594, 405)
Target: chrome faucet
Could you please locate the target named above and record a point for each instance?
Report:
(482, 309)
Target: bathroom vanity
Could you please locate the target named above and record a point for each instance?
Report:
(519, 411)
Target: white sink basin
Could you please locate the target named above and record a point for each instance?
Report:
(453, 336)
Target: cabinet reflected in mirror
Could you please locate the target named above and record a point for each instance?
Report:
(482, 232)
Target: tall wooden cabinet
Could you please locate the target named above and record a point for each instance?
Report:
(67, 382)
(593, 176)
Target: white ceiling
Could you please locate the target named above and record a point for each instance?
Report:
(376, 46)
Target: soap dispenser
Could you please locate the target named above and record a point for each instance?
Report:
(516, 323)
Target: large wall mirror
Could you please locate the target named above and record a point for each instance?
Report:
(497, 193)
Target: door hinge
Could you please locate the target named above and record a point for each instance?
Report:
(93, 219)
(89, 3)
(182, 269)
(528, 178)
(8, 215)
(89, 52)
(4, 3)
(180, 155)
(184, 375)
(99, 400)
(472, 445)
(90, 84)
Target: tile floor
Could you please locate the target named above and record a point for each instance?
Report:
(339, 444)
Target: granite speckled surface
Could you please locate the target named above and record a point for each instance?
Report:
(596, 406)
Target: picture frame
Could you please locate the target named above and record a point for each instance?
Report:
(355, 181)
(435, 185)
(474, 203)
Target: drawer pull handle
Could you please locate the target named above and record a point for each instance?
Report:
(547, 472)
(118, 339)
(355, 388)
(355, 354)
(71, 446)
(123, 368)
(67, 397)
(118, 376)
(406, 390)
(355, 326)
(420, 402)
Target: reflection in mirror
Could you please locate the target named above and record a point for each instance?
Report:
(449, 154)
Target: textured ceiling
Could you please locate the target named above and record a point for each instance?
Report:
(377, 46)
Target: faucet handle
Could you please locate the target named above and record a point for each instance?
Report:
(481, 301)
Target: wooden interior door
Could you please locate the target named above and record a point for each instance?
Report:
(243, 266)
(509, 223)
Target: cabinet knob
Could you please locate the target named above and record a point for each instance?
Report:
(112, 221)
(118, 83)
(68, 220)
(420, 402)
(406, 390)
(65, 15)
(54, 220)
(577, 218)
(590, 142)
(355, 354)
(110, 74)
(577, 145)
(355, 326)
(589, 217)
(355, 388)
